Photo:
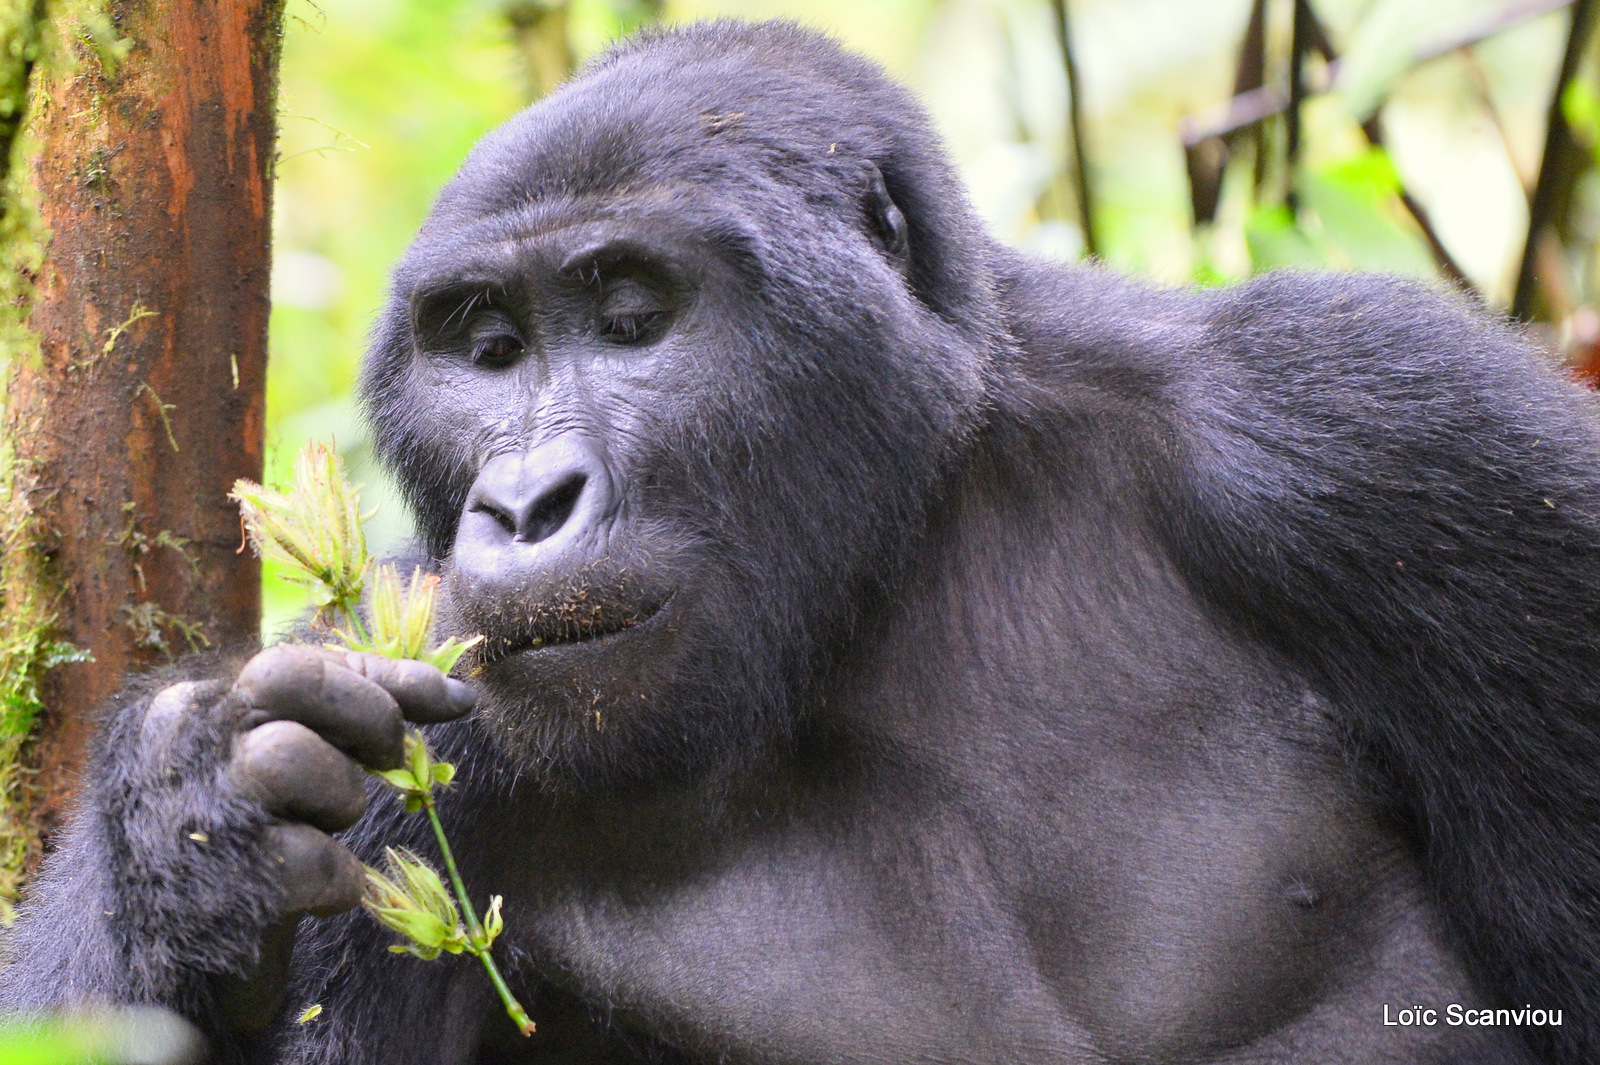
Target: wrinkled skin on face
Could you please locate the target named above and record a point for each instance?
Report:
(629, 432)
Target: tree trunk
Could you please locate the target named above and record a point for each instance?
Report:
(147, 402)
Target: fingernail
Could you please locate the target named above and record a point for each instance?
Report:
(461, 696)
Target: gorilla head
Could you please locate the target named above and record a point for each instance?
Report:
(670, 377)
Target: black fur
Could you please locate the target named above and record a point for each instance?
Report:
(901, 650)
(117, 914)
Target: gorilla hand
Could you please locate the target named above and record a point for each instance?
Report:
(204, 834)
(308, 716)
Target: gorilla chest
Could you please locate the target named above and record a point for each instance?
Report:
(1104, 897)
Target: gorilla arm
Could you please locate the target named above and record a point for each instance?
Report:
(108, 924)
(201, 838)
(1404, 499)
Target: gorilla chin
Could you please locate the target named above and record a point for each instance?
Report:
(614, 677)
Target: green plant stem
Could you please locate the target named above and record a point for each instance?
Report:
(475, 934)
(352, 614)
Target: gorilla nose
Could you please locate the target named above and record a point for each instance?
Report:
(540, 503)
(528, 513)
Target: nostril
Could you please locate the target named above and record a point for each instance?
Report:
(501, 516)
(550, 511)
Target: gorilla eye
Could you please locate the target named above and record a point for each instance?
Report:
(496, 350)
(631, 314)
(632, 328)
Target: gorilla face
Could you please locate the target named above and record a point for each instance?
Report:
(670, 380)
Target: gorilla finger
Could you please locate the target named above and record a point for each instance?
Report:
(305, 684)
(319, 876)
(424, 693)
(298, 775)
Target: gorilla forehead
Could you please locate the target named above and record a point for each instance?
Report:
(667, 225)
(752, 110)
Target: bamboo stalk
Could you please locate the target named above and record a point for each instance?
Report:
(1563, 161)
(1080, 156)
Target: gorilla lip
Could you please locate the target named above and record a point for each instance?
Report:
(573, 620)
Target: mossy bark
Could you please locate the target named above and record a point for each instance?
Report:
(146, 399)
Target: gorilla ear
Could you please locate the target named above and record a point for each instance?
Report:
(887, 223)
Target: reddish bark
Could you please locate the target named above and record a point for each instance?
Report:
(147, 403)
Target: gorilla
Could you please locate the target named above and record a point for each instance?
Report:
(897, 648)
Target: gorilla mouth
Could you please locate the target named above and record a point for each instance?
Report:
(579, 617)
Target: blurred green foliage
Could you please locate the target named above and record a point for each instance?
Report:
(48, 1044)
(130, 1036)
(383, 98)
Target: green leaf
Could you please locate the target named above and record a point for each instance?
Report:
(443, 773)
(445, 656)
(312, 1013)
(419, 926)
(1362, 222)
(1580, 105)
(1390, 38)
(62, 653)
(1274, 242)
(398, 778)
(417, 749)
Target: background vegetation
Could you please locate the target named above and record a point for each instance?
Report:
(381, 99)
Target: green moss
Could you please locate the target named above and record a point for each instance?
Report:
(31, 45)
(28, 649)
